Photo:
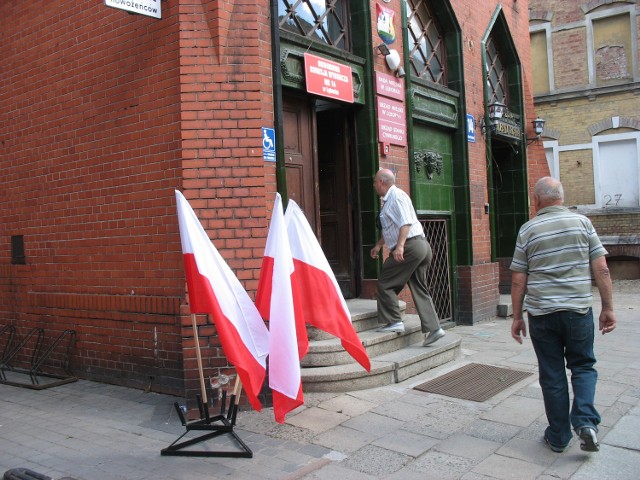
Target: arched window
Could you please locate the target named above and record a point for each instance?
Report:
(427, 52)
(496, 74)
(323, 21)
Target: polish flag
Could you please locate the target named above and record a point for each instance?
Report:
(215, 290)
(275, 302)
(316, 292)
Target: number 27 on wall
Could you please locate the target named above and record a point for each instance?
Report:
(612, 201)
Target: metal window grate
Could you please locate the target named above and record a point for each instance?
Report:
(427, 53)
(325, 22)
(438, 278)
(497, 79)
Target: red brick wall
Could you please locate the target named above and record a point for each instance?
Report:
(226, 97)
(478, 296)
(108, 113)
(90, 155)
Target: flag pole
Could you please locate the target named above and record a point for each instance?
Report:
(199, 357)
(237, 389)
(235, 401)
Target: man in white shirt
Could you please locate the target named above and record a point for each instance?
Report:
(408, 262)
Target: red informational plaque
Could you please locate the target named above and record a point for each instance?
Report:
(389, 86)
(392, 115)
(328, 78)
(392, 122)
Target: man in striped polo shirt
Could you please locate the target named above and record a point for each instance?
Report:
(555, 254)
(408, 262)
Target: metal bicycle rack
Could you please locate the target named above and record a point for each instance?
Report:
(38, 357)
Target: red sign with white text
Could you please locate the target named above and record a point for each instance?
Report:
(328, 78)
(392, 122)
(389, 86)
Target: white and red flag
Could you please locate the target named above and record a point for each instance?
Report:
(287, 343)
(215, 290)
(317, 295)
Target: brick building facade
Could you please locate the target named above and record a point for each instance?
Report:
(586, 85)
(104, 113)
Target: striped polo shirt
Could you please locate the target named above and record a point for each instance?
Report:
(397, 211)
(555, 249)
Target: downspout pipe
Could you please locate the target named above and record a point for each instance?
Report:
(281, 177)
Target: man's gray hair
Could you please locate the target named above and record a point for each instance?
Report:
(549, 189)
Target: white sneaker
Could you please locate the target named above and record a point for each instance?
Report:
(432, 337)
(394, 327)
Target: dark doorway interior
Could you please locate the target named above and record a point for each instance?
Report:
(336, 210)
(319, 178)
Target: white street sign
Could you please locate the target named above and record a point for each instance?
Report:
(151, 8)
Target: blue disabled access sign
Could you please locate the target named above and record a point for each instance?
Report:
(268, 144)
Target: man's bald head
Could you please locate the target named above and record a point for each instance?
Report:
(386, 176)
(548, 191)
(383, 181)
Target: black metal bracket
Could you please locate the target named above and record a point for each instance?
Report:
(221, 424)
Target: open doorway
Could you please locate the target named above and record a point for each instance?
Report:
(318, 156)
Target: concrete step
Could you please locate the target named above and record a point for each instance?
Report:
(328, 352)
(364, 316)
(505, 308)
(391, 367)
(394, 356)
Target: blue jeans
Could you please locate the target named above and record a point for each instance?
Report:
(557, 337)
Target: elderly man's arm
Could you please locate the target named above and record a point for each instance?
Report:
(603, 282)
(375, 250)
(518, 290)
(398, 251)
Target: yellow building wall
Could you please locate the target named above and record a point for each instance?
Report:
(576, 175)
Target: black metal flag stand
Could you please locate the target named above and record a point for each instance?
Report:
(215, 426)
(221, 424)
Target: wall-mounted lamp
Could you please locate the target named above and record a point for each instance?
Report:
(393, 59)
(496, 110)
(538, 127)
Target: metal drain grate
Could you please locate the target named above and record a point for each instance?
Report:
(474, 382)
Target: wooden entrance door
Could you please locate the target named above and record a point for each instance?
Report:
(299, 157)
(318, 179)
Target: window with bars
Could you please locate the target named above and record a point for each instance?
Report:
(427, 52)
(438, 278)
(323, 21)
(496, 74)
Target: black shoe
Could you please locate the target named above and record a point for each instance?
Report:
(588, 439)
(553, 447)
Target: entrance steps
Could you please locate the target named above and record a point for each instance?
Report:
(327, 367)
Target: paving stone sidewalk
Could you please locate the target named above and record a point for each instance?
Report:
(92, 431)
